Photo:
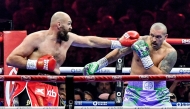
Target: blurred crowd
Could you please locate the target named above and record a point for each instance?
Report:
(106, 18)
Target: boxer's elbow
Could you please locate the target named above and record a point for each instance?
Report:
(155, 71)
(12, 60)
(16, 61)
(9, 60)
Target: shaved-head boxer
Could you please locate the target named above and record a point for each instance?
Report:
(43, 52)
(152, 55)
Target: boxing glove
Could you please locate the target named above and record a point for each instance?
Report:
(142, 50)
(46, 62)
(129, 38)
(93, 67)
(126, 40)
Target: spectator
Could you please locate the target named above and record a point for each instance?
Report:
(112, 96)
(173, 98)
(103, 87)
(146, 19)
(88, 96)
(62, 88)
(78, 95)
(186, 96)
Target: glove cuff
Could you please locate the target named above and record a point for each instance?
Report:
(31, 64)
(147, 62)
(102, 63)
(115, 44)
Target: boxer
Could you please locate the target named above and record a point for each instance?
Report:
(152, 55)
(43, 52)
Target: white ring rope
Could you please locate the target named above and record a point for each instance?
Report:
(112, 70)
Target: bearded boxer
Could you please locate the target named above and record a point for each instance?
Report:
(152, 55)
(43, 52)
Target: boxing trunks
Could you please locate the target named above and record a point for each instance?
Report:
(146, 93)
(34, 93)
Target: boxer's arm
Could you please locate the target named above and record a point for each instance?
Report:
(126, 40)
(91, 68)
(117, 53)
(166, 65)
(90, 41)
(18, 57)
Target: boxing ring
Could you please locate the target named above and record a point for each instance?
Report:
(116, 74)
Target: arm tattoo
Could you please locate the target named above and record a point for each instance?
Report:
(120, 53)
(125, 51)
(168, 62)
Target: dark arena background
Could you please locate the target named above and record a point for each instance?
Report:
(101, 18)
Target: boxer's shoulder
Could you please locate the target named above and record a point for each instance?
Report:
(37, 36)
(143, 37)
(38, 33)
(72, 35)
(168, 47)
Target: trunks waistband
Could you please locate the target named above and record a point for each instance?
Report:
(147, 84)
(37, 72)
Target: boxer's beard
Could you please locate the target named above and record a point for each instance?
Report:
(63, 34)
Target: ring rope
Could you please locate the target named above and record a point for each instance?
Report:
(172, 41)
(95, 78)
(112, 70)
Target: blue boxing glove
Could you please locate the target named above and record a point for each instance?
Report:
(142, 50)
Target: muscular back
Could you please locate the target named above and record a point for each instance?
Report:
(157, 57)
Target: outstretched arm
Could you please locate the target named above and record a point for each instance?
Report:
(91, 68)
(91, 41)
(117, 53)
(165, 65)
(127, 39)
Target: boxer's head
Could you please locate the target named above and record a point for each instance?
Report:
(62, 22)
(158, 33)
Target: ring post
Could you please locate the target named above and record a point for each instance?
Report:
(119, 84)
(69, 92)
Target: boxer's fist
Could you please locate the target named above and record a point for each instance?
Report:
(142, 50)
(46, 62)
(129, 38)
(91, 68)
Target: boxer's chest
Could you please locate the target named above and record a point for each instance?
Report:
(157, 56)
(58, 50)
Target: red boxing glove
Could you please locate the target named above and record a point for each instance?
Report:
(129, 38)
(46, 62)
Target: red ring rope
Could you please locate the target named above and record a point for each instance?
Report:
(172, 41)
(95, 78)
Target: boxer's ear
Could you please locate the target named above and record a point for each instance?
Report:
(166, 36)
(58, 25)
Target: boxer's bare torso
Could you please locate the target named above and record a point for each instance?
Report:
(48, 44)
(44, 42)
(55, 41)
(156, 55)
